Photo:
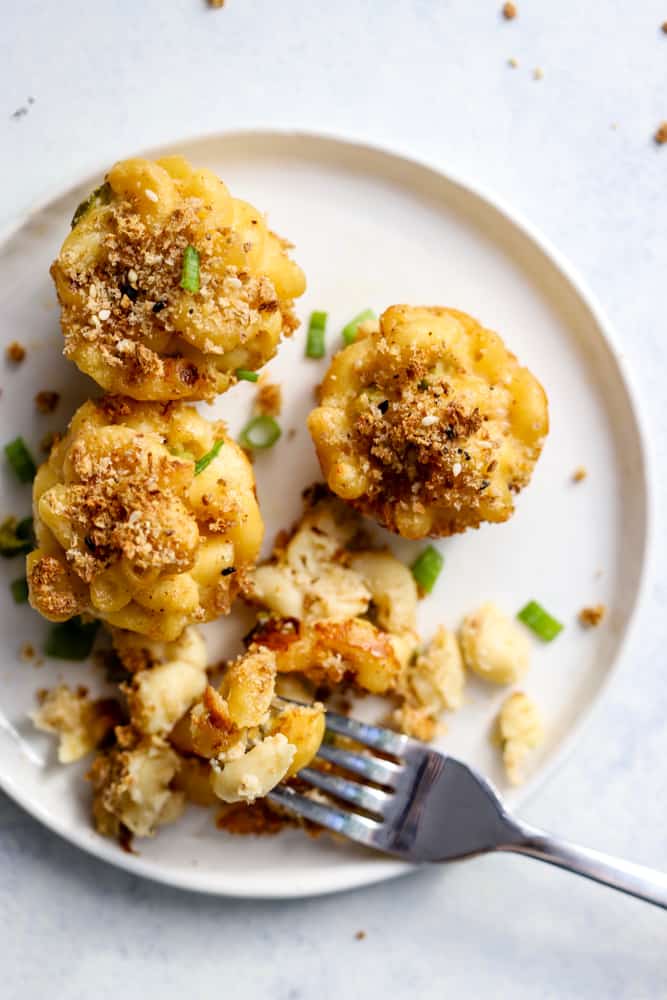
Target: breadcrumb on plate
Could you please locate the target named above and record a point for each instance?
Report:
(15, 352)
(518, 730)
(593, 616)
(46, 401)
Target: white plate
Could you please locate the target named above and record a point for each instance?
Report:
(371, 228)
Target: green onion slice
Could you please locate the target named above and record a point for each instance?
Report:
(190, 274)
(203, 462)
(350, 331)
(100, 196)
(16, 537)
(540, 621)
(260, 432)
(19, 589)
(316, 332)
(243, 375)
(21, 460)
(72, 640)
(426, 568)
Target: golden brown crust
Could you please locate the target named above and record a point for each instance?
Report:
(331, 651)
(127, 320)
(428, 423)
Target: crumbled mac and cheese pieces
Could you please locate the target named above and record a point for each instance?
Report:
(493, 646)
(518, 730)
(80, 724)
(132, 786)
(428, 423)
(160, 694)
(432, 684)
(251, 741)
(168, 284)
(128, 532)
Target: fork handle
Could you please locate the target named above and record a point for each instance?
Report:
(636, 880)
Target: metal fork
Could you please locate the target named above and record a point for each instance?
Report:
(425, 806)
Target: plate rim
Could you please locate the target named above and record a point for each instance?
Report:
(350, 878)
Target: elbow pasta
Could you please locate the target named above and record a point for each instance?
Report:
(127, 320)
(428, 423)
(251, 742)
(517, 731)
(160, 693)
(128, 533)
(80, 724)
(432, 683)
(493, 646)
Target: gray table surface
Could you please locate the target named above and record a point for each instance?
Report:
(574, 153)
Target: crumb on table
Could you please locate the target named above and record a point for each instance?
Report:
(360, 935)
(514, 63)
(15, 352)
(46, 401)
(592, 616)
(538, 73)
(664, 27)
(579, 474)
(216, 3)
(509, 10)
(661, 134)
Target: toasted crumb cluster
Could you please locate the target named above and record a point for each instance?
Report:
(128, 320)
(80, 723)
(518, 730)
(592, 616)
(428, 423)
(15, 352)
(129, 528)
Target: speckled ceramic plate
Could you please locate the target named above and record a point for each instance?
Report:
(371, 228)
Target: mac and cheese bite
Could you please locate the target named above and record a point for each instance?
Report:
(251, 740)
(145, 516)
(427, 423)
(168, 284)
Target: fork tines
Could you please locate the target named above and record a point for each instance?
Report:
(379, 771)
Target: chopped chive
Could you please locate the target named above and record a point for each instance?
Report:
(244, 375)
(19, 589)
(350, 331)
(190, 274)
(100, 196)
(260, 432)
(21, 460)
(426, 568)
(540, 621)
(71, 640)
(316, 332)
(16, 537)
(203, 462)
